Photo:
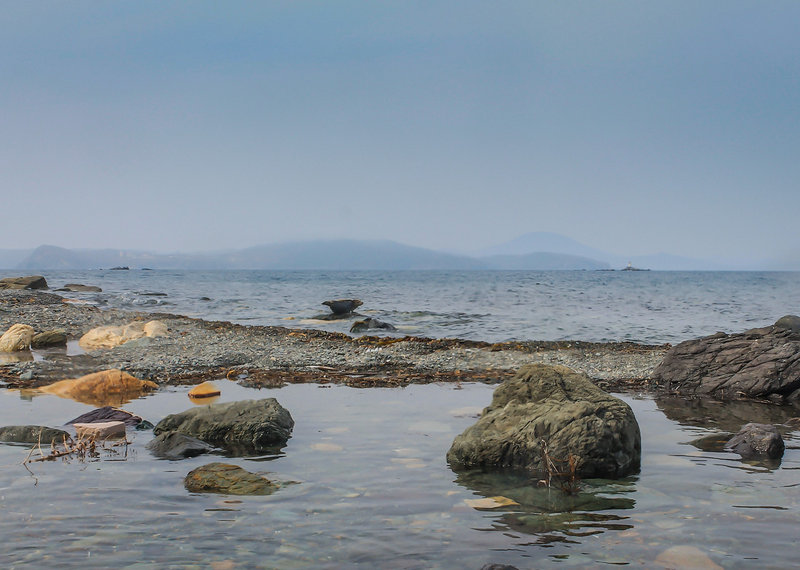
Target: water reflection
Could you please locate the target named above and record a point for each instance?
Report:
(725, 416)
(549, 513)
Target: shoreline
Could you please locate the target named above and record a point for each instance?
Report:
(266, 356)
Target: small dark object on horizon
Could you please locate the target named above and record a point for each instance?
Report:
(343, 306)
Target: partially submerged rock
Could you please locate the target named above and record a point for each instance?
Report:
(563, 409)
(17, 338)
(80, 288)
(55, 337)
(31, 434)
(28, 282)
(227, 479)
(371, 324)
(114, 335)
(100, 430)
(174, 445)
(759, 363)
(239, 427)
(106, 414)
(343, 306)
(204, 390)
(757, 441)
(108, 387)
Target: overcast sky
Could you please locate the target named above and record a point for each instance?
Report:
(633, 126)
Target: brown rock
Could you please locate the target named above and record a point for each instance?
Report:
(105, 388)
(16, 338)
(227, 479)
(29, 282)
(204, 390)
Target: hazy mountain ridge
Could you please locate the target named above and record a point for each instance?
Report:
(533, 251)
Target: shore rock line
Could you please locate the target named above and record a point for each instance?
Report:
(561, 408)
(758, 363)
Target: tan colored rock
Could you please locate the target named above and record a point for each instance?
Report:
(100, 430)
(114, 335)
(204, 390)
(685, 557)
(106, 388)
(16, 338)
(29, 282)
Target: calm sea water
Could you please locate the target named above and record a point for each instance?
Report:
(370, 488)
(647, 306)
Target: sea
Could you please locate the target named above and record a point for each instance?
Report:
(364, 481)
(650, 307)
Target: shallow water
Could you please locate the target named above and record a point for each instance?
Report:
(372, 489)
(641, 306)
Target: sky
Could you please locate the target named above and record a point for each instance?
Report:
(635, 126)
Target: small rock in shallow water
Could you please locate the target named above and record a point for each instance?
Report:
(757, 440)
(204, 390)
(100, 430)
(56, 337)
(31, 434)
(227, 479)
(174, 445)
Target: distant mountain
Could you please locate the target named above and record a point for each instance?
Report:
(543, 261)
(330, 255)
(10, 258)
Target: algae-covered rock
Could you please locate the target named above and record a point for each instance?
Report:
(31, 434)
(227, 479)
(239, 427)
(557, 406)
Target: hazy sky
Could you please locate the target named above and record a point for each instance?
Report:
(632, 126)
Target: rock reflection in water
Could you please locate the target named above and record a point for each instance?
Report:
(725, 416)
(549, 513)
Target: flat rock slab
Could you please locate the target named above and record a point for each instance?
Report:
(561, 409)
(238, 427)
(227, 479)
(100, 430)
(759, 363)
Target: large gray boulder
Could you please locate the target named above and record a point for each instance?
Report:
(238, 427)
(557, 406)
(759, 363)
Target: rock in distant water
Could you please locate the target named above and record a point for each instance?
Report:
(79, 288)
(371, 324)
(240, 427)
(343, 306)
(759, 363)
(29, 282)
(227, 479)
(561, 407)
(108, 387)
(757, 440)
(31, 434)
(16, 338)
(174, 445)
(56, 337)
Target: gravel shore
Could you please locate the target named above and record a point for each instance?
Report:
(197, 350)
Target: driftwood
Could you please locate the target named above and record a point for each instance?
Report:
(561, 471)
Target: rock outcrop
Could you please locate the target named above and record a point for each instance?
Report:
(561, 408)
(239, 427)
(756, 441)
(227, 479)
(29, 282)
(115, 335)
(758, 363)
(17, 337)
(106, 388)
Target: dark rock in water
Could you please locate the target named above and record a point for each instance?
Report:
(120, 268)
(557, 406)
(56, 337)
(789, 322)
(107, 414)
(174, 445)
(343, 306)
(758, 363)
(371, 324)
(227, 479)
(29, 282)
(32, 434)
(238, 427)
(757, 440)
(498, 567)
(79, 288)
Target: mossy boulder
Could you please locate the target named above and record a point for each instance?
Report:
(564, 410)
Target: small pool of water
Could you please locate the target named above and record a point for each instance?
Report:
(373, 490)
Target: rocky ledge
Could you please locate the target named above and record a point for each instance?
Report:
(193, 350)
